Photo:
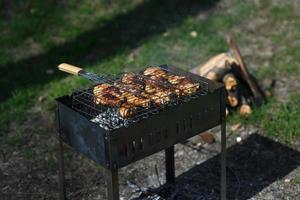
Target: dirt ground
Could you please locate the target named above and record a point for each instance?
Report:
(258, 168)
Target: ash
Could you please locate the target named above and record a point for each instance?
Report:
(110, 119)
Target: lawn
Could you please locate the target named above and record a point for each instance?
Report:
(106, 38)
(36, 36)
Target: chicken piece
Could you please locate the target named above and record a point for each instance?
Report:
(173, 79)
(107, 94)
(187, 87)
(99, 88)
(136, 101)
(157, 93)
(161, 97)
(127, 110)
(155, 71)
(130, 82)
(107, 89)
(158, 78)
(133, 88)
(107, 99)
(150, 88)
(131, 78)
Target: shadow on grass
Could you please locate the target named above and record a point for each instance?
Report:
(251, 167)
(123, 32)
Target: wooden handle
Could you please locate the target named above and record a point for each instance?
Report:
(69, 68)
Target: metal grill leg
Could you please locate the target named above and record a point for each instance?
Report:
(62, 189)
(170, 164)
(223, 159)
(112, 184)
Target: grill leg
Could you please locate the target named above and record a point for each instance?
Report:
(112, 184)
(170, 164)
(62, 189)
(223, 159)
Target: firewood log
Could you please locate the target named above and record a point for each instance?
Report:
(230, 81)
(245, 109)
(216, 67)
(232, 98)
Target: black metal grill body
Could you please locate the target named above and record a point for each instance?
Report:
(117, 148)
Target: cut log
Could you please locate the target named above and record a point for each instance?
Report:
(216, 67)
(245, 109)
(232, 98)
(230, 81)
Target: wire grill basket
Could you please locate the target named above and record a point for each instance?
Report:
(164, 93)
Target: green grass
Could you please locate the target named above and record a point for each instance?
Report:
(16, 138)
(279, 120)
(296, 180)
(28, 154)
(178, 49)
(38, 35)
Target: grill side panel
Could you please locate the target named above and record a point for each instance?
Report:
(77, 131)
(160, 131)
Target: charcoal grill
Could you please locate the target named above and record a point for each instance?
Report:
(147, 132)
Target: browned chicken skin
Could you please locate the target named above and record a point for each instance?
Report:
(173, 79)
(136, 101)
(187, 87)
(155, 71)
(127, 110)
(107, 94)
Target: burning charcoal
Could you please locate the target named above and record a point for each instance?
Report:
(109, 119)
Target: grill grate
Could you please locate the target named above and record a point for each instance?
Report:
(167, 95)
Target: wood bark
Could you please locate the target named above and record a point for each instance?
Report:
(245, 109)
(233, 98)
(252, 83)
(216, 67)
(230, 81)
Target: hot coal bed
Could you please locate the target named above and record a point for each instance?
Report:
(113, 141)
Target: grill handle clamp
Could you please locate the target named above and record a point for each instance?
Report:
(71, 69)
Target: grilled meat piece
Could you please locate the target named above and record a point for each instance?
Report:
(99, 88)
(183, 86)
(137, 101)
(158, 78)
(127, 110)
(173, 79)
(105, 88)
(150, 88)
(162, 97)
(108, 100)
(187, 87)
(155, 71)
(130, 82)
(158, 95)
(131, 78)
(133, 88)
(107, 94)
